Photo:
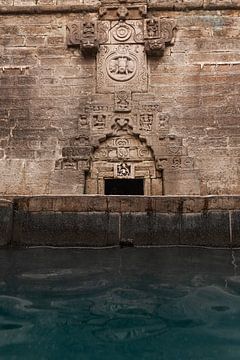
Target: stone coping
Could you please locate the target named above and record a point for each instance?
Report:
(85, 8)
(119, 204)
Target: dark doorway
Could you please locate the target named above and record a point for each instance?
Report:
(124, 187)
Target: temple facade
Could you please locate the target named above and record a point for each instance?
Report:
(119, 97)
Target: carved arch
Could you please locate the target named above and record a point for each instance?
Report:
(123, 154)
(122, 127)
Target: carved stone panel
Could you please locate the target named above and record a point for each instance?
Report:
(128, 32)
(119, 65)
(158, 33)
(123, 101)
(83, 34)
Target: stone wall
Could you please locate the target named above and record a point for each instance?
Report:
(96, 221)
(45, 86)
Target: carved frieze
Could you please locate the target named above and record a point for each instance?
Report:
(175, 163)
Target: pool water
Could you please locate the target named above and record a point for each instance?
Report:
(145, 303)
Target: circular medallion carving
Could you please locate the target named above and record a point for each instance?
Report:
(122, 32)
(121, 67)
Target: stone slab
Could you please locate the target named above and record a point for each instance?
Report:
(150, 228)
(65, 229)
(205, 229)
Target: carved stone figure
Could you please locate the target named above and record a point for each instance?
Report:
(89, 42)
(123, 170)
(145, 122)
(122, 101)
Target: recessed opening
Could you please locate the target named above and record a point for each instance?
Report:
(124, 187)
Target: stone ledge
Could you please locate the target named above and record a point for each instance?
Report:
(123, 204)
(47, 9)
(154, 6)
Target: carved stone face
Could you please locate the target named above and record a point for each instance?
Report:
(122, 65)
(121, 68)
(88, 29)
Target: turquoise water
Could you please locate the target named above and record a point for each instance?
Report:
(164, 303)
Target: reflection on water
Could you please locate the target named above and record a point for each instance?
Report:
(180, 304)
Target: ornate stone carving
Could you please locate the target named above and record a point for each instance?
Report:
(123, 153)
(151, 28)
(123, 9)
(146, 121)
(122, 32)
(121, 142)
(83, 121)
(122, 12)
(161, 163)
(158, 33)
(83, 34)
(123, 170)
(122, 101)
(175, 163)
(163, 121)
(121, 125)
(89, 43)
(127, 32)
(80, 140)
(103, 31)
(66, 164)
(99, 121)
(73, 34)
(121, 64)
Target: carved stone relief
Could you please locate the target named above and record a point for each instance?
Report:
(123, 138)
(123, 101)
(121, 64)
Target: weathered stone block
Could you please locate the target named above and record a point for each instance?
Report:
(145, 229)
(205, 229)
(65, 229)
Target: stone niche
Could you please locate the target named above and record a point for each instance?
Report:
(121, 134)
